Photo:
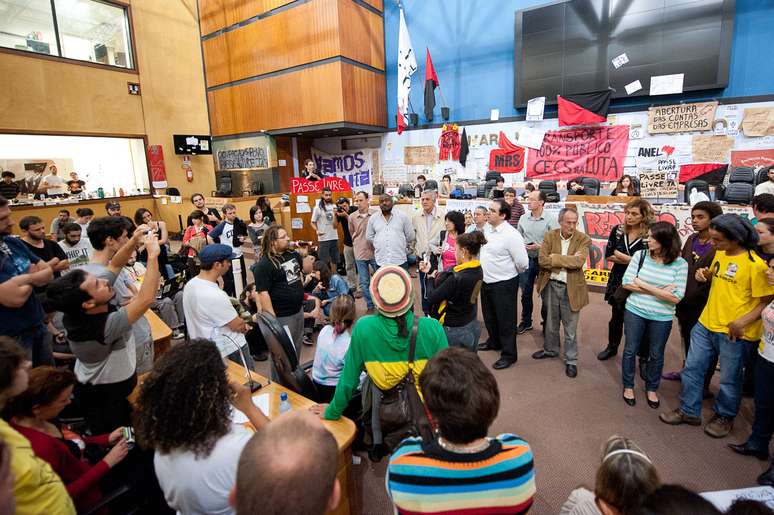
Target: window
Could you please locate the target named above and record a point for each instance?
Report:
(86, 30)
(114, 165)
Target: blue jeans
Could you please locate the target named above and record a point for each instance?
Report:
(364, 275)
(423, 293)
(763, 427)
(657, 331)
(465, 336)
(705, 345)
(527, 285)
(35, 344)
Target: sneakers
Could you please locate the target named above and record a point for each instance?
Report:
(177, 334)
(677, 417)
(719, 427)
(308, 340)
(523, 328)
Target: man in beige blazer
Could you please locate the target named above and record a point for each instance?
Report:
(428, 224)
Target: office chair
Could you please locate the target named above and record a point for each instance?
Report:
(378, 189)
(636, 184)
(547, 186)
(431, 184)
(701, 186)
(590, 185)
(492, 176)
(739, 193)
(742, 174)
(289, 373)
(762, 175)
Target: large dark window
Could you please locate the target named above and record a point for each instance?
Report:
(86, 30)
(567, 47)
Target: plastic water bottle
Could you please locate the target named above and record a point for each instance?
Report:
(284, 403)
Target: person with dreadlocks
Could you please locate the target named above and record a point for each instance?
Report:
(278, 282)
(729, 326)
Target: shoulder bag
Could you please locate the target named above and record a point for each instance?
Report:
(621, 294)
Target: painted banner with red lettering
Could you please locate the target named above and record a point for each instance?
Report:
(752, 158)
(299, 185)
(597, 152)
(509, 158)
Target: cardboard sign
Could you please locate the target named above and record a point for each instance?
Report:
(754, 158)
(681, 117)
(658, 184)
(425, 155)
(585, 151)
(711, 149)
(299, 185)
(758, 121)
(509, 158)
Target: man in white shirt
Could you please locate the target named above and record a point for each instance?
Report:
(231, 232)
(53, 184)
(502, 258)
(209, 313)
(326, 225)
(391, 233)
(77, 248)
(768, 186)
(428, 225)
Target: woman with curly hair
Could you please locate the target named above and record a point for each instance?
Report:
(184, 414)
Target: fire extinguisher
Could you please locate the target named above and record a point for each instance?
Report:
(188, 169)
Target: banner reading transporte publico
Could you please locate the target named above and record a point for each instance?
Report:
(598, 220)
(597, 152)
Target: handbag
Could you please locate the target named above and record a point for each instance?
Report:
(401, 411)
(621, 294)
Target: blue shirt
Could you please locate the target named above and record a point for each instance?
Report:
(658, 275)
(15, 260)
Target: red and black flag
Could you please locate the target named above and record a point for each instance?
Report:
(584, 108)
(464, 148)
(431, 82)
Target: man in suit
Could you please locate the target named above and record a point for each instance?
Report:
(562, 257)
(428, 225)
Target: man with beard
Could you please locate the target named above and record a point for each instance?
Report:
(391, 234)
(34, 237)
(77, 248)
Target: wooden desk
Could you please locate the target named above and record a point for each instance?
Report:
(162, 334)
(343, 430)
(598, 199)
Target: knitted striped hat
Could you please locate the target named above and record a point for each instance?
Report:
(391, 291)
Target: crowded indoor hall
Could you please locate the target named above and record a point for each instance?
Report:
(268, 257)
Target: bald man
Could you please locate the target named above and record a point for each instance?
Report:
(288, 467)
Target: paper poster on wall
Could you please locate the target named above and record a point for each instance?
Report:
(530, 137)
(393, 173)
(297, 223)
(509, 158)
(620, 60)
(658, 184)
(303, 207)
(726, 121)
(354, 167)
(633, 87)
(157, 168)
(535, 108)
(681, 117)
(758, 121)
(711, 149)
(423, 155)
(597, 152)
(753, 158)
(666, 84)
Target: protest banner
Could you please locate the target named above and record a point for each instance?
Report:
(661, 184)
(758, 121)
(711, 149)
(753, 158)
(354, 167)
(509, 158)
(299, 185)
(424, 155)
(681, 117)
(597, 152)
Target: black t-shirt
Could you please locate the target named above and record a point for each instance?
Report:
(208, 211)
(283, 282)
(49, 251)
(344, 224)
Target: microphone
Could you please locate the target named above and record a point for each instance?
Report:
(254, 387)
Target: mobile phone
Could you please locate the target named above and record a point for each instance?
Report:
(128, 434)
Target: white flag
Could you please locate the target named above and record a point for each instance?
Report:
(407, 65)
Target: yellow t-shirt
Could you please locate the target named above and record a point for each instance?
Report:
(737, 287)
(37, 488)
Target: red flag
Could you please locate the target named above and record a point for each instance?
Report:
(431, 82)
(583, 108)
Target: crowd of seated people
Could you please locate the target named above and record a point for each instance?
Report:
(192, 456)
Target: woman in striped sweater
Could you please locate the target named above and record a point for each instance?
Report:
(656, 278)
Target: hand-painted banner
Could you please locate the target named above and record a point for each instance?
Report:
(598, 220)
(355, 167)
(597, 152)
(509, 158)
(754, 158)
(299, 185)
(681, 117)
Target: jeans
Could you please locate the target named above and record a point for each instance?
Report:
(423, 293)
(527, 285)
(349, 261)
(705, 346)
(364, 275)
(167, 311)
(559, 311)
(763, 426)
(615, 331)
(329, 252)
(37, 347)
(465, 336)
(295, 325)
(498, 304)
(657, 333)
(686, 320)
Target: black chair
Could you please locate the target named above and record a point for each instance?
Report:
(547, 186)
(636, 184)
(763, 175)
(590, 185)
(431, 185)
(482, 192)
(289, 372)
(378, 189)
(407, 190)
(489, 186)
(701, 186)
(742, 174)
(492, 176)
(173, 192)
(739, 193)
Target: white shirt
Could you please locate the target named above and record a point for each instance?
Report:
(56, 185)
(324, 220)
(390, 237)
(78, 254)
(765, 187)
(201, 486)
(227, 238)
(561, 275)
(208, 311)
(504, 255)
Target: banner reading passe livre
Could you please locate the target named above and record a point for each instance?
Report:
(597, 152)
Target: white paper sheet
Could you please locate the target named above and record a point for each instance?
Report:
(723, 499)
(303, 207)
(620, 60)
(261, 402)
(535, 109)
(531, 137)
(494, 115)
(666, 84)
(296, 223)
(633, 87)
(302, 198)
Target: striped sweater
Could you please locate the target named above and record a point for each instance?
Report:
(425, 478)
(658, 275)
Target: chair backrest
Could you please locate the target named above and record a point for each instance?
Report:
(173, 192)
(490, 175)
(590, 185)
(547, 186)
(742, 174)
(378, 189)
(636, 184)
(739, 193)
(763, 175)
(407, 190)
(283, 355)
(488, 186)
(701, 186)
(431, 184)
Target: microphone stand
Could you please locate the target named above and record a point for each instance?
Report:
(254, 386)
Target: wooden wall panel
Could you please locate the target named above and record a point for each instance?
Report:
(304, 34)
(361, 33)
(216, 14)
(377, 4)
(365, 96)
(309, 96)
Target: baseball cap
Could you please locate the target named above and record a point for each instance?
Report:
(214, 253)
(112, 204)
